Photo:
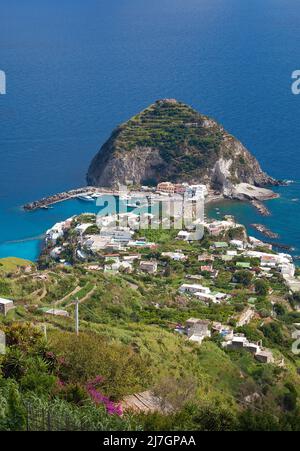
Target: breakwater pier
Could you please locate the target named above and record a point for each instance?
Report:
(46, 202)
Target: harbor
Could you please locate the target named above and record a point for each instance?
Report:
(87, 193)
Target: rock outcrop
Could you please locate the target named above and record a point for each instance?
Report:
(171, 141)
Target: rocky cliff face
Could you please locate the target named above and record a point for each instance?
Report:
(171, 141)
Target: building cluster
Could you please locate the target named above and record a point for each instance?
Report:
(203, 293)
(217, 228)
(240, 342)
(282, 262)
(197, 330)
(58, 231)
(116, 233)
(184, 189)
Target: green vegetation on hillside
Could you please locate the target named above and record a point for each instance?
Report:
(130, 342)
(177, 131)
(11, 264)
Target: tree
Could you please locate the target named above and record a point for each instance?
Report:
(261, 287)
(273, 332)
(243, 277)
(252, 420)
(279, 309)
(215, 418)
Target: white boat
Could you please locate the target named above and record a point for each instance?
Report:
(86, 198)
(97, 196)
(132, 205)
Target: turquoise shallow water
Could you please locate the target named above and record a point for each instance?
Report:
(280, 220)
(28, 244)
(77, 69)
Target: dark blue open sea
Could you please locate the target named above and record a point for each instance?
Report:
(75, 69)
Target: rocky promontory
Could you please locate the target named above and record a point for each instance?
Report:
(171, 141)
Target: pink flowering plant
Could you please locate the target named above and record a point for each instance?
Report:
(112, 408)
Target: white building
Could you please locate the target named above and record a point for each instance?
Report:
(239, 244)
(55, 253)
(195, 192)
(202, 293)
(117, 235)
(5, 306)
(118, 266)
(194, 288)
(82, 228)
(239, 341)
(176, 256)
(58, 230)
(215, 228)
(197, 330)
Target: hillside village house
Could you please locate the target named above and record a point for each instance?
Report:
(96, 243)
(191, 191)
(131, 258)
(58, 230)
(176, 256)
(193, 288)
(117, 266)
(206, 258)
(117, 235)
(215, 228)
(5, 306)
(82, 228)
(149, 266)
(202, 293)
(264, 356)
(214, 297)
(166, 187)
(209, 268)
(239, 244)
(239, 341)
(193, 235)
(197, 329)
(220, 245)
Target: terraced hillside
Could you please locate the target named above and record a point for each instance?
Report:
(171, 141)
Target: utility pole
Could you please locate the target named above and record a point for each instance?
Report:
(45, 331)
(77, 317)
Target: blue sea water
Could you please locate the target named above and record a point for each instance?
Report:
(76, 69)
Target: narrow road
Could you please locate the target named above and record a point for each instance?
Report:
(60, 301)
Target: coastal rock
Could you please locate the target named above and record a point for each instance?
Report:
(245, 191)
(171, 141)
